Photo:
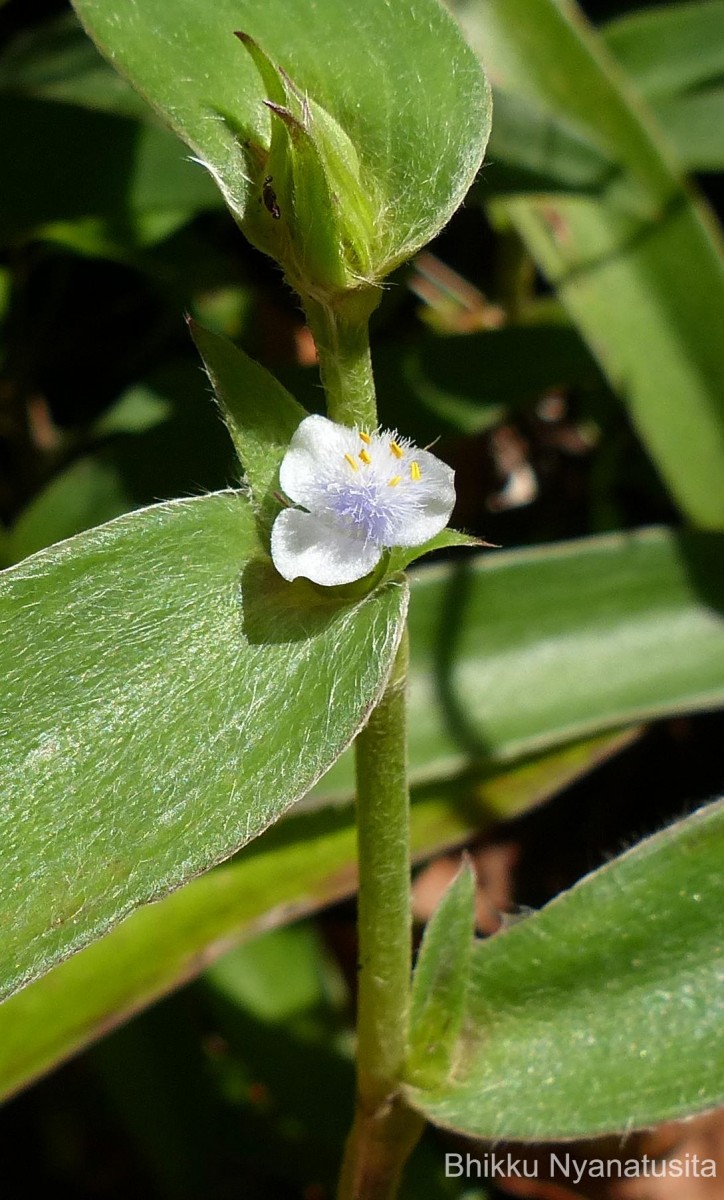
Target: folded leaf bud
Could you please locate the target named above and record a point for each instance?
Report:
(313, 214)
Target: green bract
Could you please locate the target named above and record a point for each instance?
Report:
(333, 139)
(312, 213)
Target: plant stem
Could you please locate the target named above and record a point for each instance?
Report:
(384, 1131)
(376, 1152)
(384, 915)
(342, 339)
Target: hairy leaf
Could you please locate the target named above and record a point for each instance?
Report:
(303, 862)
(399, 81)
(440, 982)
(515, 651)
(603, 1011)
(165, 698)
(260, 414)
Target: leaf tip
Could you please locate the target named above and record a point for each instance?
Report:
(466, 876)
(284, 115)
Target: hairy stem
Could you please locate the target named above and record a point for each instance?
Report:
(342, 339)
(377, 1149)
(384, 1131)
(385, 922)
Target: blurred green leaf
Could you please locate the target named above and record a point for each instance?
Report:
(618, 981)
(408, 72)
(159, 435)
(89, 491)
(54, 60)
(638, 263)
(301, 863)
(694, 125)
(670, 48)
(513, 652)
(93, 167)
(532, 149)
(71, 163)
(275, 977)
(143, 407)
(470, 382)
(145, 667)
(120, 240)
(675, 54)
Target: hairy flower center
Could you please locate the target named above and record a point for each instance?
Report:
(375, 490)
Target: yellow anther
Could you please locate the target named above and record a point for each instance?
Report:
(365, 437)
(365, 457)
(397, 450)
(394, 481)
(352, 463)
(415, 472)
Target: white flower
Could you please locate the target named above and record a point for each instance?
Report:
(362, 492)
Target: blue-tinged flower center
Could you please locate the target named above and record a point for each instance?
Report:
(363, 508)
(369, 492)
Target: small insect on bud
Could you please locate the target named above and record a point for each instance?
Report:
(269, 197)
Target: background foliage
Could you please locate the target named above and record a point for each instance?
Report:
(563, 336)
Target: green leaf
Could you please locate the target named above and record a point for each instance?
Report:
(670, 48)
(55, 61)
(260, 414)
(694, 125)
(159, 685)
(71, 163)
(399, 82)
(643, 245)
(468, 383)
(401, 556)
(274, 977)
(440, 981)
(676, 56)
(517, 651)
(90, 490)
(579, 1018)
(160, 435)
(303, 862)
(532, 149)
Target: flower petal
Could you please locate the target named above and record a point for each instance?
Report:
(302, 544)
(315, 455)
(434, 493)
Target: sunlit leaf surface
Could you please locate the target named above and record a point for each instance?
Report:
(146, 668)
(618, 981)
